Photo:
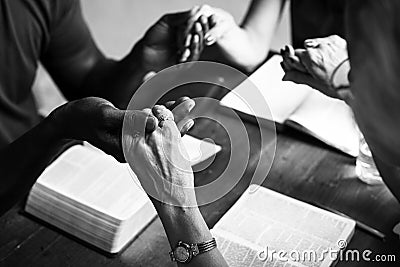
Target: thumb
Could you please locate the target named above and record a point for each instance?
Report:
(215, 33)
(137, 123)
(151, 122)
(170, 131)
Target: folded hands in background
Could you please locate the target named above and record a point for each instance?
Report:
(323, 64)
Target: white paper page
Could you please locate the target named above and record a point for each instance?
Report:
(239, 252)
(94, 179)
(199, 150)
(269, 219)
(282, 97)
(329, 120)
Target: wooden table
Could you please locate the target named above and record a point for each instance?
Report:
(303, 168)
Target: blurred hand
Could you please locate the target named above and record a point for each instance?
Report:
(221, 24)
(212, 23)
(323, 65)
(163, 44)
(97, 121)
(159, 160)
(194, 32)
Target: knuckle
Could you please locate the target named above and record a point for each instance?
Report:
(104, 112)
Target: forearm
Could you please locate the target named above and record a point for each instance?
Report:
(243, 49)
(188, 225)
(24, 160)
(116, 81)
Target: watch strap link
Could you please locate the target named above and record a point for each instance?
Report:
(206, 246)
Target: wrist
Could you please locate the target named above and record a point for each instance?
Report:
(54, 128)
(170, 212)
(185, 201)
(183, 224)
(58, 122)
(339, 78)
(232, 34)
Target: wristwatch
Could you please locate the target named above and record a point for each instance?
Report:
(184, 253)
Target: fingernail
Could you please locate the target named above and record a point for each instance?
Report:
(185, 55)
(196, 39)
(183, 99)
(187, 126)
(149, 75)
(198, 27)
(151, 123)
(310, 43)
(210, 39)
(188, 40)
(291, 50)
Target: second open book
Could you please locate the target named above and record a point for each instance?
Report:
(266, 228)
(298, 106)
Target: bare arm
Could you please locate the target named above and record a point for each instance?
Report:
(187, 224)
(22, 161)
(167, 177)
(80, 69)
(248, 44)
(260, 24)
(90, 119)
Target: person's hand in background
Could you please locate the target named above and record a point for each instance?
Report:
(214, 22)
(216, 25)
(193, 33)
(323, 64)
(244, 45)
(163, 44)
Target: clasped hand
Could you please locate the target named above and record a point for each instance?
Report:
(149, 140)
(323, 64)
(158, 157)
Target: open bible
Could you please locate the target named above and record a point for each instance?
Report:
(295, 105)
(91, 196)
(266, 228)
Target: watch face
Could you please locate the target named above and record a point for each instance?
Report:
(181, 254)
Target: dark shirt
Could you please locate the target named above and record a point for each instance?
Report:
(32, 31)
(316, 18)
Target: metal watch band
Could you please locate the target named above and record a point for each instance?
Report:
(206, 246)
(191, 250)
